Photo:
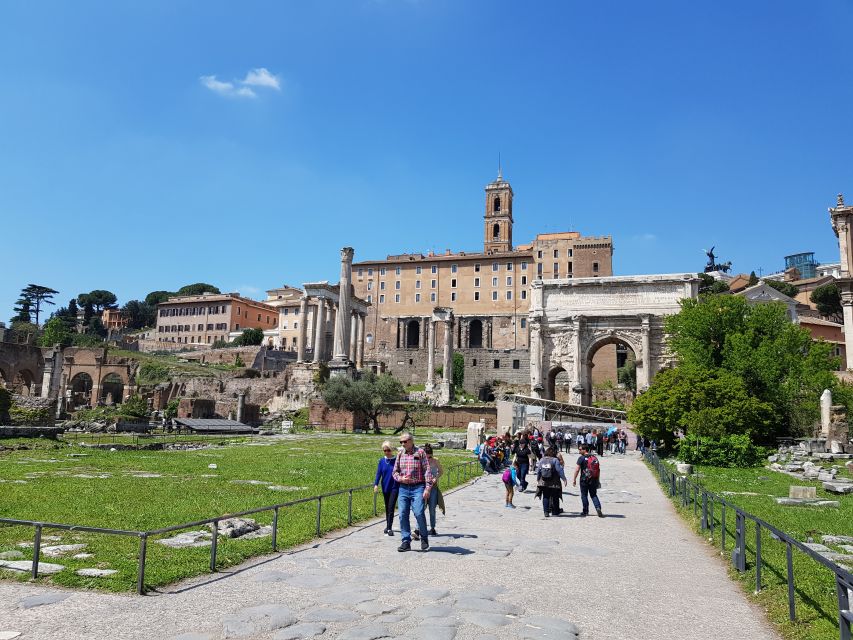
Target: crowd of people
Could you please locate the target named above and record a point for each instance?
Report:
(407, 476)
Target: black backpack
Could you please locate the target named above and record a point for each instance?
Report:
(546, 468)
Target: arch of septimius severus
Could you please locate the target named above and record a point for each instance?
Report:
(571, 319)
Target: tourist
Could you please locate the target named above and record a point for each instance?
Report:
(599, 444)
(413, 473)
(435, 494)
(589, 470)
(581, 438)
(522, 454)
(510, 480)
(385, 480)
(548, 479)
(623, 441)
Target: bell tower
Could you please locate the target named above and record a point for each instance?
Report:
(498, 218)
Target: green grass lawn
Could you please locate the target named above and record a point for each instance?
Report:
(145, 490)
(816, 601)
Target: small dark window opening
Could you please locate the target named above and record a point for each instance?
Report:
(474, 362)
(516, 364)
(497, 364)
(496, 206)
(411, 361)
(496, 231)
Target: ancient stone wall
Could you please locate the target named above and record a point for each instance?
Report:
(449, 417)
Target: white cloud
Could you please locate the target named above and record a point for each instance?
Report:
(646, 237)
(261, 77)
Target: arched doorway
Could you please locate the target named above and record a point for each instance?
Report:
(4, 379)
(559, 385)
(609, 373)
(413, 334)
(475, 334)
(112, 389)
(81, 389)
(23, 383)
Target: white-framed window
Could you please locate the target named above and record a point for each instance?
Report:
(418, 270)
(523, 280)
(370, 285)
(524, 265)
(524, 294)
(432, 284)
(453, 296)
(556, 253)
(397, 285)
(524, 323)
(494, 295)
(509, 266)
(370, 298)
(509, 295)
(396, 297)
(370, 271)
(397, 271)
(360, 272)
(570, 252)
(476, 295)
(417, 284)
(453, 283)
(453, 268)
(381, 271)
(382, 285)
(417, 297)
(495, 266)
(570, 269)
(434, 269)
(509, 281)
(381, 298)
(539, 268)
(477, 267)
(432, 297)
(476, 282)
(494, 282)
(539, 254)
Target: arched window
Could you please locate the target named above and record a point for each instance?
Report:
(475, 334)
(496, 231)
(496, 204)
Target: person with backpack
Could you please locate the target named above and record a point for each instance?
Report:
(589, 469)
(548, 477)
(522, 454)
(385, 480)
(510, 480)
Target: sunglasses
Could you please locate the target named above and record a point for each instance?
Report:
(404, 441)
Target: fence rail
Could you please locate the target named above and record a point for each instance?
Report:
(688, 493)
(462, 472)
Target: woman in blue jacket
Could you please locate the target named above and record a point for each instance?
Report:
(385, 480)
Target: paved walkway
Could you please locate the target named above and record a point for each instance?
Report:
(492, 573)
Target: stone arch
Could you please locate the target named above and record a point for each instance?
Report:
(475, 334)
(4, 377)
(112, 388)
(496, 231)
(413, 334)
(558, 384)
(496, 204)
(615, 338)
(24, 382)
(81, 389)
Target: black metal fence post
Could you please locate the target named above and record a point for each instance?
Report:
(213, 544)
(704, 521)
(36, 552)
(140, 575)
(349, 508)
(789, 558)
(319, 514)
(723, 527)
(275, 529)
(845, 615)
(757, 557)
(739, 552)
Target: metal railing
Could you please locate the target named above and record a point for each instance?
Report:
(688, 492)
(557, 408)
(461, 472)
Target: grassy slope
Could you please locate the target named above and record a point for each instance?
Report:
(816, 604)
(187, 490)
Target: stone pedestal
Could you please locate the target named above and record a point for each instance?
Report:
(341, 368)
(825, 406)
(476, 435)
(838, 435)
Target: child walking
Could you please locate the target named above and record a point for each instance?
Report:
(510, 480)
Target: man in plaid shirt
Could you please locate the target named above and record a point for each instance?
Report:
(412, 472)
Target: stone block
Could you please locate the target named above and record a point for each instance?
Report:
(800, 502)
(476, 434)
(838, 487)
(827, 476)
(805, 493)
(837, 539)
(684, 469)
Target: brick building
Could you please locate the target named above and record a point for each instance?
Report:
(487, 290)
(204, 319)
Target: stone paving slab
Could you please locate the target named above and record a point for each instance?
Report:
(492, 573)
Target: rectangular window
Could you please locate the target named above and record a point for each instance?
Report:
(432, 284)
(381, 271)
(556, 253)
(418, 270)
(494, 266)
(259, 317)
(509, 295)
(570, 253)
(397, 271)
(539, 268)
(397, 285)
(453, 296)
(396, 297)
(509, 281)
(360, 272)
(417, 297)
(382, 285)
(524, 323)
(453, 283)
(432, 297)
(494, 282)
(476, 295)
(453, 268)
(381, 298)
(524, 294)
(370, 271)
(238, 312)
(516, 364)
(556, 268)
(370, 285)
(595, 267)
(496, 364)
(370, 298)
(434, 269)
(295, 325)
(539, 254)
(509, 266)
(476, 282)
(570, 270)
(523, 280)
(417, 284)
(524, 265)
(477, 267)
(286, 310)
(494, 295)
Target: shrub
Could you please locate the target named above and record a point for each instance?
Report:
(5, 405)
(172, 409)
(134, 407)
(34, 417)
(151, 373)
(725, 451)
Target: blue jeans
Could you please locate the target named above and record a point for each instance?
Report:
(522, 474)
(589, 491)
(433, 503)
(411, 496)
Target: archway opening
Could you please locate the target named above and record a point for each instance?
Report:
(112, 389)
(413, 334)
(23, 383)
(81, 390)
(496, 204)
(475, 334)
(496, 231)
(559, 385)
(611, 374)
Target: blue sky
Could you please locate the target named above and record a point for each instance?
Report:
(144, 146)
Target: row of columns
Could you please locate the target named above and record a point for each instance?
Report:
(323, 309)
(447, 366)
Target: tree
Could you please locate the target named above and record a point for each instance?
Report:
(250, 338)
(98, 300)
(5, 405)
(197, 289)
(138, 314)
(134, 407)
(33, 297)
(785, 288)
(710, 286)
(753, 279)
(458, 370)
(627, 376)
(369, 395)
(156, 297)
(828, 301)
(68, 315)
(56, 332)
(22, 310)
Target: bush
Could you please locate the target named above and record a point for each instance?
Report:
(726, 451)
(171, 410)
(134, 407)
(35, 417)
(5, 405)
(151, 373)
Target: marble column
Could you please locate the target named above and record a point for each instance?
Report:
(353, 333)
(303, 329)
(448, 351)
(578, 368)
(320, 331)
(342, 319)
(644, 378)
(359, 344)
(430, 381)
(536, 386)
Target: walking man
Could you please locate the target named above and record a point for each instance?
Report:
(412, 472)
(590, 473)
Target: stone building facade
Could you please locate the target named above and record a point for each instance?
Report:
(202, 320)
(488, 291)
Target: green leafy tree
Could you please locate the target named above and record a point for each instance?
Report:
(98, 300)
(134, 407)
(55, 332)
(139, 314)
(197, 289)
(458, 370)
(828, 301)
(171, 410)
(36, 296)
(753, 279)
(627, 375)
(711, 286)
(22, 311)
(156, 297)
(369, 395)
(250, 338)
(785, 288)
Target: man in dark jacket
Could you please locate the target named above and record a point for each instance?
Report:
(548, 477)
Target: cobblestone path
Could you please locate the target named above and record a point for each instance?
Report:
(638, 573)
